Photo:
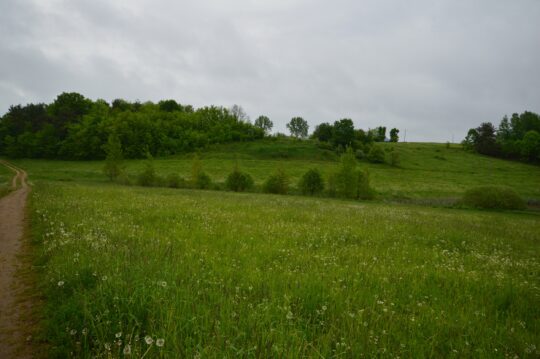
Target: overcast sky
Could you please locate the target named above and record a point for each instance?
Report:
(434, 68)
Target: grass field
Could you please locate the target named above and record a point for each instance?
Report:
(427, 171)
(169, 273)
(217, 274)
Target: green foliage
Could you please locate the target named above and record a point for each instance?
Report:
(73, 127)
(347, 176)
(530, 146)
(277, 183)
(148, 176)
(364, 190)
(311, 182)
(394, 135)
(238, 181)
(264, 123)
(343, 133)
(113, 162)
(515, 138)
(376, 154)
(493, 197)
(298, 127)
(323, 132)
(199, 179)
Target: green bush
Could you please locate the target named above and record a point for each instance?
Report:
(349, 181)
(277, 183)
(311, 182)
(496, 197)
(175, 181)
(376, 154)
(148, 176)
(364, 191)
(199, 179)
(202, 181)
(238, 181)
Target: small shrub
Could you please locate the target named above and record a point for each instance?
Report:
(376, 154)
(364, 191)
(203, 181)
(199, 179)
(311, 182)
(277, 183)
(238, 181)
(148, 176)
(394, 159)
(360, 154)
(175, 181)
(495, 197)
(331, 188)
(124, 179)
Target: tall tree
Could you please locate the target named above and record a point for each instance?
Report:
(394, 135)
(323, 132)
(264, 123)
(343, 134)
(113, 161)
(298, 127)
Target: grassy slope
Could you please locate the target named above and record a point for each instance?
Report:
(426, 171)
(221, 274)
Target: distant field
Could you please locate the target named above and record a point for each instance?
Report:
(427, 171)
(217, 274)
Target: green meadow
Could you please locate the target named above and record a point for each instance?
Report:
(426, 171)
(128, 271)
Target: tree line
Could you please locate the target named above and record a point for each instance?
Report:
(517, 137)
(77, 128)
(74, 127)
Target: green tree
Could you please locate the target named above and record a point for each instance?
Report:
(264, 123)
(298, 127)
(277, 183)
(323, 132)
(347, 176)
(311, 182)
(530, 146)
(394, 135)
(343, 133)
(375, 154)
(199, 179)
(238, 181)
(114, 157)
(148, 177)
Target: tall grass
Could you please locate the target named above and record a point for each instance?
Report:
(218, 274)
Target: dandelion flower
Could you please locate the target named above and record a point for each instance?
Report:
(289, 315)
(163, 283)
(73, 332)
(148, 339)
(60, 283)
(118, 335)
(160, 342)
(127, 349)
(84, 331)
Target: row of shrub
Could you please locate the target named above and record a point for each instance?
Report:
(348, 181)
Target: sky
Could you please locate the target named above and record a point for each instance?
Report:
(431, 68)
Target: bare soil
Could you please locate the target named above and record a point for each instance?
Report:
(15, 304)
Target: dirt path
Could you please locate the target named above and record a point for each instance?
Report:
(15, 306)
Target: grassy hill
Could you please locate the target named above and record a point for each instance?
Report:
(427, 171)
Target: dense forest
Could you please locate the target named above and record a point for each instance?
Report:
(74, 127)
(515, 138)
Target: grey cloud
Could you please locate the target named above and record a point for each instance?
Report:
(434, 68)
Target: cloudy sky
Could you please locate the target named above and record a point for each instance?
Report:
(432, 67)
